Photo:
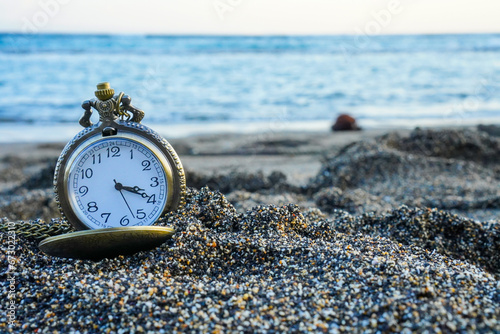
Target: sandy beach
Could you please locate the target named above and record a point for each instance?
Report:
(367, 231)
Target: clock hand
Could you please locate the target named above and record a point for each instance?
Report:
(132, 189)
(119, 187)
(135, 190)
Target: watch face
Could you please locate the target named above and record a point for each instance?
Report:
(117, 181)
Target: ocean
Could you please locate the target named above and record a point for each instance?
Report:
(209, 84)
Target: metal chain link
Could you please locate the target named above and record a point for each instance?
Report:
(33, 230)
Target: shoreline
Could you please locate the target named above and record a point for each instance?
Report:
(12, 133)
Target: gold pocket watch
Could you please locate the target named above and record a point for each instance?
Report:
(116, 178)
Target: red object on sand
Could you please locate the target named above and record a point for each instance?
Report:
(345, 123)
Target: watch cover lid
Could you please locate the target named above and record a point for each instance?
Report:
(106, 243)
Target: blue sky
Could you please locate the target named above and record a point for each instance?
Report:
(250, 17)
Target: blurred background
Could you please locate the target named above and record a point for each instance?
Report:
(213, 66)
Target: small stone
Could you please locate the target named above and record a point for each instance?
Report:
(345, 122)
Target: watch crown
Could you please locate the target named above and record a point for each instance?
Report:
(104, 91)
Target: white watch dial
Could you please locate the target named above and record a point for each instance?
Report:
(116, 182)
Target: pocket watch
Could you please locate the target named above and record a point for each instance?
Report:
(118, 172)
(113, 181)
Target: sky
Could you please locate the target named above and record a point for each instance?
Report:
(250, 17)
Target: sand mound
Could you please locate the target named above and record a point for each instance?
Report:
(435, 230)
(272, 269)
(466, 144)
(445, 169)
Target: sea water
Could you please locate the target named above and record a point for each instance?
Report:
(204, 84)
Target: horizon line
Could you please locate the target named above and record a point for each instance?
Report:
(241, 35)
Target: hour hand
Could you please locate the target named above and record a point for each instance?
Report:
(135, 190)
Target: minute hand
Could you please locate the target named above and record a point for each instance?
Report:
(119, 187)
